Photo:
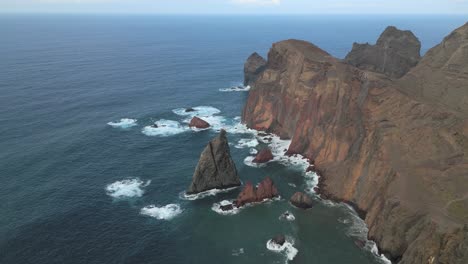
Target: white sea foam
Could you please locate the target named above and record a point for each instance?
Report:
(247, 143)
(288, 216)
(287, 248)
(197, 111)
(127, 188)
(201, 195)
(164, 128)
(292, 184)
(238, 88)
(249, 162)
(166, 212)
(217, 208)
(253, 151)
(237, 252)
(124, 123)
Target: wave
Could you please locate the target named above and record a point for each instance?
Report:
(217, 208)
(197, 111)
(127, 188)
(124, 123)
(249, 162)
(288, 216)
(287, 248)
(166, 212)
(164, 128)
(238, 88)
(253, 151)
(201, 195)
(235, 210)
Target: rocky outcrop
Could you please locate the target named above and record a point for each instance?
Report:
(301, 200)
(252, 67)
(215, 169)
(263, 156)
(398, 157)
(250, 194)
(279, 240)
(198, 123)
(394, 54)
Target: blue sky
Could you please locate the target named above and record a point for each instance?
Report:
(239, 6)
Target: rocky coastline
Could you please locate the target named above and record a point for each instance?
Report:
(388, 136)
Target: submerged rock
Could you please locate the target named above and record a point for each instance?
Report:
(190, 109)
(301, 200)
(215, 169)
(394, 54)
(265, 190)
(263, 156)
(252, 68)
(227, 207)
(198, 123)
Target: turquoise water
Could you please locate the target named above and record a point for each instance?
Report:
(64, 78)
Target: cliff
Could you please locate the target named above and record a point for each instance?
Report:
(399, 158)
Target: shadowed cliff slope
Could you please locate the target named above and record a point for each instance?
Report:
(400, 158)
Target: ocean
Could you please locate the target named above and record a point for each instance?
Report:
(85, 179)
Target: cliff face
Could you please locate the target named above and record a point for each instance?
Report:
(400, 159)
(394, 54)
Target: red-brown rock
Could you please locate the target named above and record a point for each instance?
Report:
(198, 123)
(301, 200)
(266, 190)
(263, 156)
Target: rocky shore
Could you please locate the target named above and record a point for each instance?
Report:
(386, 129)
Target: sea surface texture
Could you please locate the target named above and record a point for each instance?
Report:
(86, 179)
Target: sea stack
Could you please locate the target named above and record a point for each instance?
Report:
(250, 194)
(301, 200)
(215, 169)
(252, 67)
(198, 123)
(394, 54)
(263, 156)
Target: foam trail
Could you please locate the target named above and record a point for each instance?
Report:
(197, 111)
(124, 123)
(166, 212)
(201, 195)
(127, 188)
(164, 128)
(238, 88)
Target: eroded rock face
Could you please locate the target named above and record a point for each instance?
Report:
(394, 54)
(215, 169)
(263, 156)
(445, 71)
(400, 159)
(301, 200)
(252, 67)
(198, 123)
(265, 190)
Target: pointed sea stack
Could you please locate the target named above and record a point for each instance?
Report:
(265, 190)
(215, 169)
(301, 200)
(263, 156)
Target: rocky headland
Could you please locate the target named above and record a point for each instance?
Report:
(386, 130)
(215, 169)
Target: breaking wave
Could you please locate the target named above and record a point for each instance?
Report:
(201, 195)
(287, 248)
(247, 143)
(238, 88)
(124, 123)
(197, 111)
(166, 212)
(164, 128)
(127, 188)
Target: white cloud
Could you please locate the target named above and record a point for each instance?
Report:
(256, 2)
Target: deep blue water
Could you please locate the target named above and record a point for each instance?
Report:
(63, 78)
